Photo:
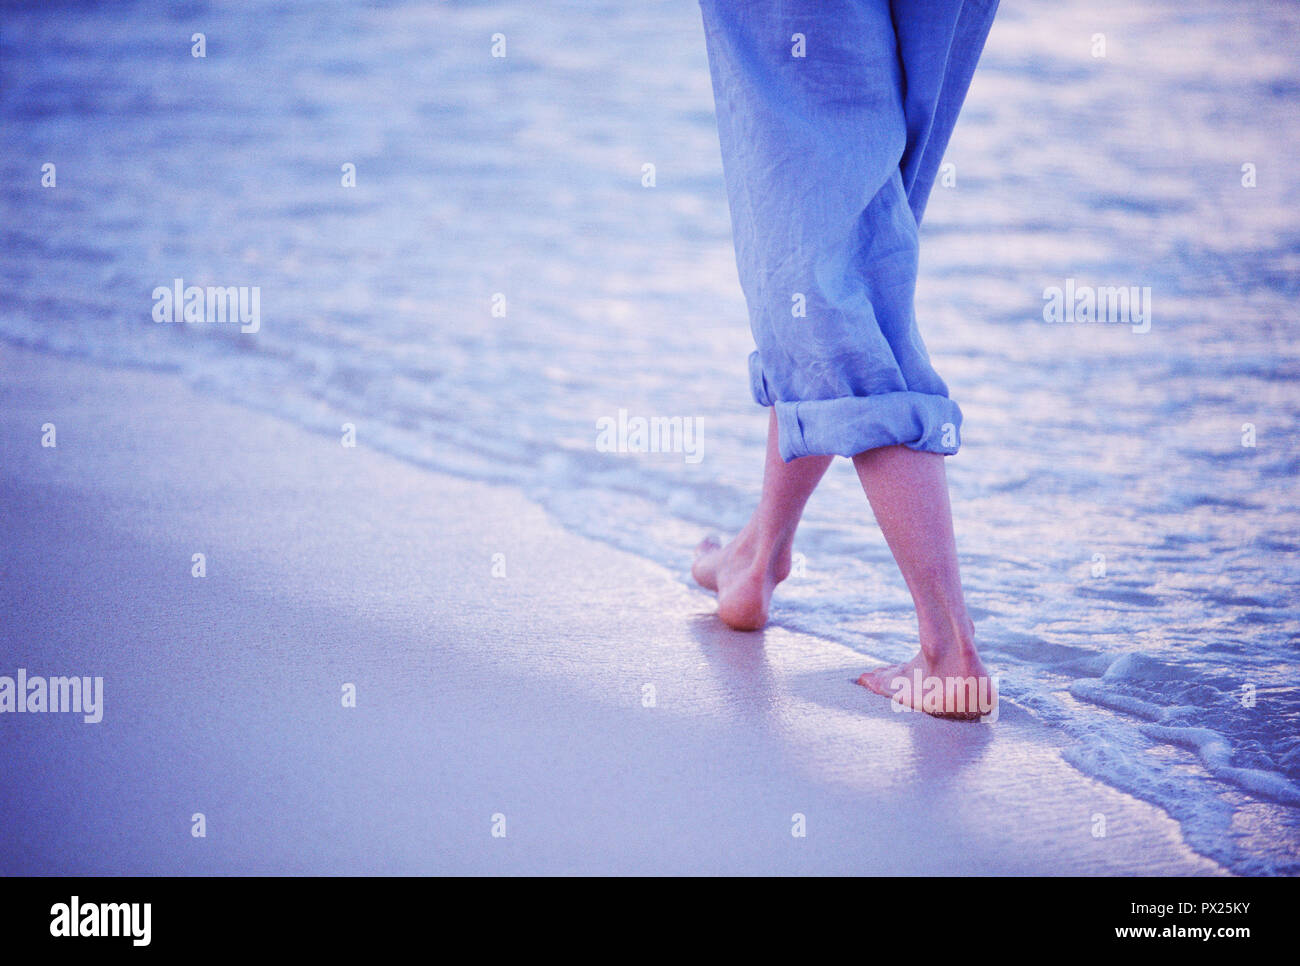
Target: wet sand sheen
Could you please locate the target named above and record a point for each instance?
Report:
(523, 696)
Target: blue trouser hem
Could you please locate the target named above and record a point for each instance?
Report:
(854, 424)
(848, 425)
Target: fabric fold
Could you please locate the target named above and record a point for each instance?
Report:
(833, 116)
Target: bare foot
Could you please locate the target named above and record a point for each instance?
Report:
(743, 574)
(955, 686)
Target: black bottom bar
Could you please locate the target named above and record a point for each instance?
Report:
(939, 917)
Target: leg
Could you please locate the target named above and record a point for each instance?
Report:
(746, 571)
(908, 491)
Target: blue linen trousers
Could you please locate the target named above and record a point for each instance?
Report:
(833, 116)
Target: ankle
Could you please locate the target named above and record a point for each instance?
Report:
(951, 639)
(769, 545)
(777, 554)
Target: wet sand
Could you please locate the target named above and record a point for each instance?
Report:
(479, 697)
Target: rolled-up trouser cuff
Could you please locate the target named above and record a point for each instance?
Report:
(848, 425)
(762, 393)
(854, 424)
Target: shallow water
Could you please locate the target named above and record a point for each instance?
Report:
(1130, 563)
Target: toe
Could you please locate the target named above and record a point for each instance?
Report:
(873, 681)
(705, 567)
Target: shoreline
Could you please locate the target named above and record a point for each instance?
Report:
(582, 694)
